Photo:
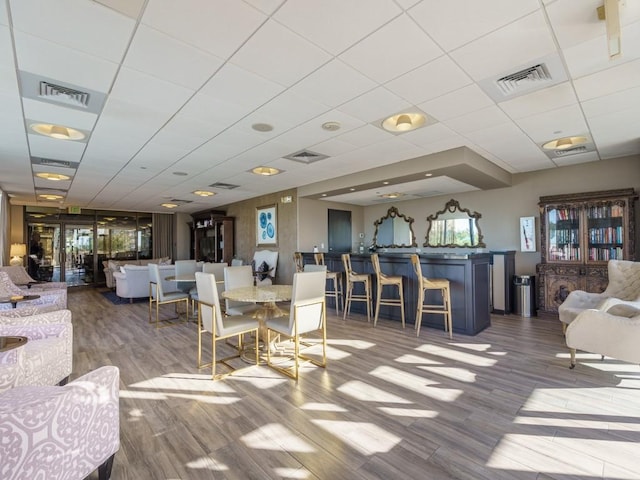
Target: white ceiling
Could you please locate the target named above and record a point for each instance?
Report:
(183, 83)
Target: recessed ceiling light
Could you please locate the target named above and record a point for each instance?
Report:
(262, 127)
(49, 196)
(266, 171)
(57, 131)
(352, 189)
(331, 126)
(564, 143)
(392, 195)
(168, 205)
(203, 193)
(428, 174)
(52, 176)
(181, 174)
(404, 122)
(385, 183)
(323, 195)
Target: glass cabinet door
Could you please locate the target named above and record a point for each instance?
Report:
(564, 234)
(605, 231)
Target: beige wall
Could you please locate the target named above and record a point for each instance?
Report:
(182, 236)
(287, 230)
(313, 225)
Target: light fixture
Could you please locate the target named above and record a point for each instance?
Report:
(56, 177)
(50, 196)
(168, 205)
(262, 127)
(57, 131)
(609, 12)
(564, 143)
(17, 251)
(428, 174)
(392, 195)
(404, 122)
(203, 193)
(266, 171)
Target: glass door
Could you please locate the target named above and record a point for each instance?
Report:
(78, 264)
(44, 259)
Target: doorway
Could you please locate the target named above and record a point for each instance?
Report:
(339, 229)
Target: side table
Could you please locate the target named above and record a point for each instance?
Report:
(15, 299)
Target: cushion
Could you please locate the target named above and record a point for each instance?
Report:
(262, 271)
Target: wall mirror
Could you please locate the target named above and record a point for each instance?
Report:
(454, 227)
(394, 230)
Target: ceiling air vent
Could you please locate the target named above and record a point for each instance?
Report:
(60, 94)
(306, 156)
(50, 162)
(526, 78)
(224, 186)
(570, 151)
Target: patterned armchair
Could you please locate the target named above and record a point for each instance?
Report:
(18, 275)
(46, 358)
(624, 287)
(57, 298)
(61, 433)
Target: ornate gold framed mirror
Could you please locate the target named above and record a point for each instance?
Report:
(394, 230)
(454, 227)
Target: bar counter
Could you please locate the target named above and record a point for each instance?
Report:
(468, 275)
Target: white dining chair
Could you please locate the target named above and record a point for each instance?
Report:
(159, 296)
(218, 270)
(221, 327)
(307, 314)
(236, 277)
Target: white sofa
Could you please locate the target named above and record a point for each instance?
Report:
(133, 280)
(113, 266)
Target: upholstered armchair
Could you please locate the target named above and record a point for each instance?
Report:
(624, 287)
(612, 333)
(264, 265)
(19, 276)
(55, 297)
(46, 358)
(61, 433)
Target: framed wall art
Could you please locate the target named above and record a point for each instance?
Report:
(527, 234)
(267, 225)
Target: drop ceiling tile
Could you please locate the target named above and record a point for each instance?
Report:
(335, 25)
(159, 55)
(575, 21)
(145, 91)
(379, 57)
(58, 115)
(455, 104)
(130, 8)
(575, 159)
(616, 102)
(365, 135)
(453, 24)
(286, 110)
(543, 127)
(84, 26)
(212, 111)
(508, 49)
(186, 133)
(235, 85)
(333, 147)
(621, 77)
(4, 19)
(431, 134)
(215, 26)
(265, 6)
(334, 84)
(429, 81)
(551, 98)
(477, 120)
(41, 146)
(123, 120)
(374, 105)
(276, 53)
(40, 57)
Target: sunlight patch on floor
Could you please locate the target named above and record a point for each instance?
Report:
(460, 374)
(478, 347)
(358, 344)
(323, 407)
(366, 438)
(366, 393)
(296, 473)
(456, 355)
(416, 359)
(409, 412)
(416, 383)
(206, 463)
(274, 436)
(185, 382)
(578, 423)
(147, 395)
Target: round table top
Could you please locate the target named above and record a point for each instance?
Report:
(261, 294)
(185, 277)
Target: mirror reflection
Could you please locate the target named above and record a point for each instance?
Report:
(454, 227)
(394, 230)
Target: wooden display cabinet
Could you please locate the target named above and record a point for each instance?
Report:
(213, 238)
(579, 234)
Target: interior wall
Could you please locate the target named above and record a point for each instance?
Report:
(502, 208)
(16, 220)
(313, 225)
(182, 236)
(245, 235)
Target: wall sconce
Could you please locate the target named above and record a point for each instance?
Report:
(17, 251)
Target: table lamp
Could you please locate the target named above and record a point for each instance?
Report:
(17, 251)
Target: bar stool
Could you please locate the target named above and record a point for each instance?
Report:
(352, 279)
(386, 280)
(336, 282)
(298, 261)
(425, 284)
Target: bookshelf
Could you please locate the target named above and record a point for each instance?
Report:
(213, 238)
(580, 233)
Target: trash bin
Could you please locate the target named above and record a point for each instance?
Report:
(525, 299)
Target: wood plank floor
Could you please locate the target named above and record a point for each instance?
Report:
(499, 405)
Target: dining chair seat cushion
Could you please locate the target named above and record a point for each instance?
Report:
(244, 309)
(279, 324)
(236, 324)
(168, 296)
